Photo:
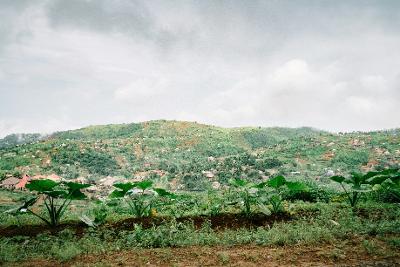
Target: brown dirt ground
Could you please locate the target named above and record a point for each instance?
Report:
(350, 253)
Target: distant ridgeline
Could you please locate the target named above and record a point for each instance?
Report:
(19, 139)
(193, 156)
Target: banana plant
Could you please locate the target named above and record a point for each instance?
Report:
(141, 197)
(57, 196)
(278, 183)
(394, 186)
(392, 183)
(358, 183)
(251, 194)
(246, 193)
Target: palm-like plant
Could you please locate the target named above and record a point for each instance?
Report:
(57, 196)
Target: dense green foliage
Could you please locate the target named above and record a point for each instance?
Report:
(141, 197)
(332, 224)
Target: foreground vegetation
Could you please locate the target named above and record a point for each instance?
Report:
(310, 224)
(274, 213)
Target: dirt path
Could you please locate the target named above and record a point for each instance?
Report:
(249, 255)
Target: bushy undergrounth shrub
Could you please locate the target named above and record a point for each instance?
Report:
(383, 194)
(331, 224)
(314, 193)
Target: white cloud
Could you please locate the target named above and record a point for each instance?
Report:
(2, 75)
(293, 75)
(142, 89)
(360, 105)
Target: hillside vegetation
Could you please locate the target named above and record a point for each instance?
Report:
(191, 155)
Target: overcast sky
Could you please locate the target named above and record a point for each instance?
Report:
(333, 65)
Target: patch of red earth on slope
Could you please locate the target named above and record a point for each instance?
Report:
(34, 230)
(246, 255)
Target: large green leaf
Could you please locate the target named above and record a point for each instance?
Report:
(74, 190)
(356, 179)
(297, 186)
(42, 186)
(75, 195)
(378, 179)
(277, 181)
(337, 178)
(390, 171)
(125, 187)
(395, 179)
(146, 184)
(117, 194)
(76, 186)
(369, 175)
(57, 193)
(164, 193)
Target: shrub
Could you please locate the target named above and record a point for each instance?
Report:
(361, 183)
(268, 163)
(351, 158)
(141, 197)
(313, 193)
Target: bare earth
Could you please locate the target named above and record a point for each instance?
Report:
(347, 254)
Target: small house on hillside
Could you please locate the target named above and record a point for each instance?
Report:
(10, 183)
(22, 182)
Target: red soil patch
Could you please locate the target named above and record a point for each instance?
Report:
(348, 254)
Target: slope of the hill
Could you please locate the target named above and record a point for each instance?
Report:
(194, 154)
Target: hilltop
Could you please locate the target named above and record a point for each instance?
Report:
(192, 155)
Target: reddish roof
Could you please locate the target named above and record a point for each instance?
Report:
(22, 182)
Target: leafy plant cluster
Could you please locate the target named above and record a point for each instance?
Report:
(266, 195)
(66, 245)
(357, 183)
(143, 199)
(56, 197)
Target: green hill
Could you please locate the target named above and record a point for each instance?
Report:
(195, 154)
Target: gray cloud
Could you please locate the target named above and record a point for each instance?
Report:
(332, 65)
